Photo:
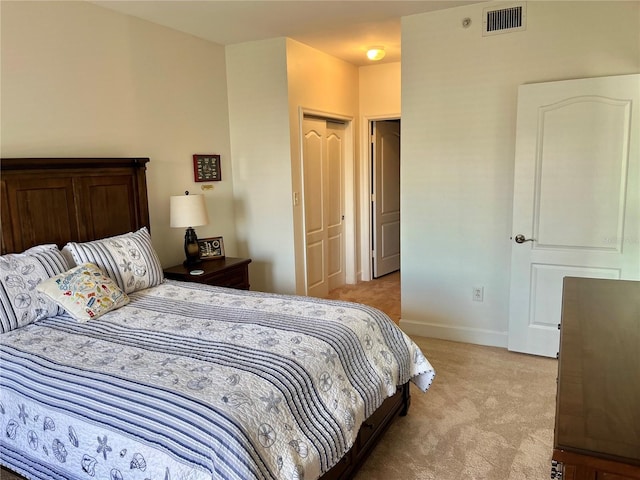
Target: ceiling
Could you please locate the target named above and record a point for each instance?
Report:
(343, 29)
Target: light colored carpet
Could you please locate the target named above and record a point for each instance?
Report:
(488, 415)
(382, 293)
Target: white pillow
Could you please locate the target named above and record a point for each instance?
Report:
(85, 292)
(128, 259)
(20, 273)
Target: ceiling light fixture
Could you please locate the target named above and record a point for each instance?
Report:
(375, 53)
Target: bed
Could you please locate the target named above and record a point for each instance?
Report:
(176, 380)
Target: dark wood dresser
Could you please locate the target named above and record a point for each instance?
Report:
(597, 430)
(223, 272)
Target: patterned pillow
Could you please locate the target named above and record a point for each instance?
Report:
(20, 273)
(128, 259)
(85, 292)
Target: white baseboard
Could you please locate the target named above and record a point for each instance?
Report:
(476, 336)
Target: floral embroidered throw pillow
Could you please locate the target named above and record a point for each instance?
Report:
(85, 292)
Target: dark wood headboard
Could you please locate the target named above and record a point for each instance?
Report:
(57, 200)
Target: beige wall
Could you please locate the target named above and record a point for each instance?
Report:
(261, 151)
(379, 90)
(459, 93)
(87, 81)
(323, 84)
(80, 80)
(269, 82)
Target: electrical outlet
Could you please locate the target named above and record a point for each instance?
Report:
(478, 294)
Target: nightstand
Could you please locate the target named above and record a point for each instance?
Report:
(223, 272)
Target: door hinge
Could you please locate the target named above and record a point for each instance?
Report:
(373, 197)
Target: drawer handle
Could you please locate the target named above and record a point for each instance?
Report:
(368, 425)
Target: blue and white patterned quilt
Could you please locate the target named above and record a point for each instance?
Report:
(196, 382)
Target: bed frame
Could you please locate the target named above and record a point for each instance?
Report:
(57, 200)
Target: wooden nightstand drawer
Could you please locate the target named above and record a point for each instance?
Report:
(235, 278)
(224, 272)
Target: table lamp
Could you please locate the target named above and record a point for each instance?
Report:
(189, 211)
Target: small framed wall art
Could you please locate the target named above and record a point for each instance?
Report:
(211, 248)
(206, 168)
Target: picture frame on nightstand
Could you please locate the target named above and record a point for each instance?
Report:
(211, 248)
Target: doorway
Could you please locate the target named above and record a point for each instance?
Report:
(385, 196)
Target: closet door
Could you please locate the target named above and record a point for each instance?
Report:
(323, 196)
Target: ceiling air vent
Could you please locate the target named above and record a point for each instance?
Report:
(507, 19)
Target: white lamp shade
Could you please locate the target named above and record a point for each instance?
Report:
(188, 211)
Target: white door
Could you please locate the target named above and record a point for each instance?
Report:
(576, 204)
(323, 196)
(386, 197)
(335, 205)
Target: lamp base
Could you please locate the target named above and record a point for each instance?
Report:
(191, 248)
(191, 263)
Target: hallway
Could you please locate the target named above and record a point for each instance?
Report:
(382, 293)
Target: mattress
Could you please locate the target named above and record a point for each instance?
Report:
(190, 381)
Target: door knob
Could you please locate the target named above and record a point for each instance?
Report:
(520, 239)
